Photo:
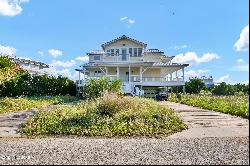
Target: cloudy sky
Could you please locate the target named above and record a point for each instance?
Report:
(211, 35)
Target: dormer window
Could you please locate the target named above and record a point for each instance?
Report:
(135, 51)
(139, 51)
(131, 51)
(97, 57)
(112, 52)
(108, 52)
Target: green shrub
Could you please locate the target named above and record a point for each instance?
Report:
(195, 85)
(98, 87)
(15, 82)
(110, 115)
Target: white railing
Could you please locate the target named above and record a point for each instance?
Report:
(133, 78)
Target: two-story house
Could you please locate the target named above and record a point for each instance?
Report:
(33, 67)
(142, 71)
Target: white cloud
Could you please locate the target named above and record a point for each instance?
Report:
(224, 78)
(131, 21)
(82, 58)
(243, 67)
(7, 50)
(243, 42)
(40, 52)
(179, 47)
(127, 21)
(66, 64)
(11, 7)
(73, 75)
(198, 73)
(193, 57)
(245, 82)
(55, 53)
(240, 61)
(123, 18)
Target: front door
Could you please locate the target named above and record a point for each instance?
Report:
(124, 54)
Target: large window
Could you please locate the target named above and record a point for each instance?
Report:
(139, 51)
(108, 52)
(112, 52)
(130, 51)
(97, 58)
(135, 51)
(117, 52)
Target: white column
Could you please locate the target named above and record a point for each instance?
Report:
(171, 77)
(129, 73)
(84, 74)
(118, 72)
(106, 69)
(183, 73)
(140, 74)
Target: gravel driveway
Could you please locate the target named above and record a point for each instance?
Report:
(125, 151)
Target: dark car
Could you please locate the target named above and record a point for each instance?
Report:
(161, 95)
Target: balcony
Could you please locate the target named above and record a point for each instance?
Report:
(121, 58)
(146, 81)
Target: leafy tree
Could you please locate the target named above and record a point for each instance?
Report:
(97, 87)
(194, 86)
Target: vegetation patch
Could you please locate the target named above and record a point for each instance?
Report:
(8, 104)
(109, 115)
(237, 105)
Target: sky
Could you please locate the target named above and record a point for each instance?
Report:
(211, 35)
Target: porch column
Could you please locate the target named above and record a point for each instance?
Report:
(176, 75)
(118, 72)
(184, 91)
(84, 74)
(171, 77)
(129, 71)
(183, 73)
(140, 74)
(106, 71)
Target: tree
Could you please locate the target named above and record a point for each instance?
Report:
(195, 85)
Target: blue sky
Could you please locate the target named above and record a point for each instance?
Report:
(211, 35)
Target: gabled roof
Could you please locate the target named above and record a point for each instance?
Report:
(123, 37)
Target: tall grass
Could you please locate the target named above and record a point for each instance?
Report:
(237, 105)
(8, 104)
(110, 115)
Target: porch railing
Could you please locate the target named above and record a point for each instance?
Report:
(134, 78)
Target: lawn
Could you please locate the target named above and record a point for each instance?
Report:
(237, 105)
(108, 116)
(8, 104)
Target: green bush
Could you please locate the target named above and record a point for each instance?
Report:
(195, 85)
(227, 89)
(14, 82)
(110, 115)
(98, 87)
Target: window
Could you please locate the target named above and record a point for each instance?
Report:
(130, 51)
(112, 52)
(139, 51)
(135, 51)
(97, 58)
(117, 52)
(123, 44)
(108, 52)
(98, 72)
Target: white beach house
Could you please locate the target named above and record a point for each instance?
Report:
(140, 70)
